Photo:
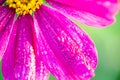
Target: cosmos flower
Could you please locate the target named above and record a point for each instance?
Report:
(41, 39)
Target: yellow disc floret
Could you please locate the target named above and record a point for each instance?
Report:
(23, 7)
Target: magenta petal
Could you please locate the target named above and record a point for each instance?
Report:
(6, 25)
(20, 61)
(90, 12)
(67, 51)
(41, 71)
(1, 2)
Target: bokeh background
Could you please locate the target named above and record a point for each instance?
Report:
(107, 41)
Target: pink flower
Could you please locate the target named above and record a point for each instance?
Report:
(33, 46)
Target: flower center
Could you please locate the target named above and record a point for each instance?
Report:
(23, 7)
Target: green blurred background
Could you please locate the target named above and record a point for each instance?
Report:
(107, 41)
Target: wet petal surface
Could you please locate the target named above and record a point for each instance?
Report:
(20, 61)
(67, 51)
(6, 25)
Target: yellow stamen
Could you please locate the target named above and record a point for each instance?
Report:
(23, 7)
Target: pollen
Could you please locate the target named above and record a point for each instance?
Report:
(23, 7)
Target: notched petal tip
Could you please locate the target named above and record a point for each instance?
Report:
(97, 13)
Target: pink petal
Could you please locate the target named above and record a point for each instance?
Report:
(67, 51)
(6, 25)
(41, 71)
(20, 61)
(90, 12)
(1, 2)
